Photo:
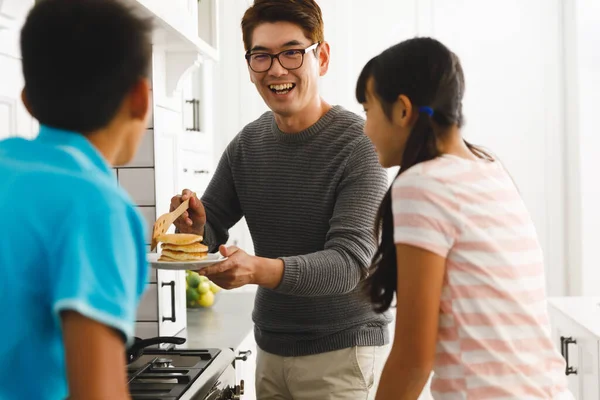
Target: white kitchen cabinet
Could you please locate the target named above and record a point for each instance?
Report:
(576, 333)
(198, 109)
(177, 21)
(162, 310)
(245, 366)
(172, 317)
(196, 170)
(13, 12)
(172, 157)
(208, 22)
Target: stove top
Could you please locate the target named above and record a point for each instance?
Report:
(161, 374)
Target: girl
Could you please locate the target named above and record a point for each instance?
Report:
(457, 245)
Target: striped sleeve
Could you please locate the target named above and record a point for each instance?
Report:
(425, 213)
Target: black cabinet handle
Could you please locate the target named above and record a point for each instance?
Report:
(195, 115)
(172, 317)
(201, 171)
(564, 350)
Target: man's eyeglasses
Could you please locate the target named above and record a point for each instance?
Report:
(289, 59)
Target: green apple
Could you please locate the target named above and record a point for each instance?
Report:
(191, 295)
(193, 280)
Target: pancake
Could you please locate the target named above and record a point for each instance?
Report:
(166, 259)
(188, 248)
(183, 256)
(179, 239)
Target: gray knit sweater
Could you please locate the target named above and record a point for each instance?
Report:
(310, 199)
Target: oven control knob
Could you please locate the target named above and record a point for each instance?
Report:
(238, 391)
(243, 355)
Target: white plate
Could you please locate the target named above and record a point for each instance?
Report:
(184, 265)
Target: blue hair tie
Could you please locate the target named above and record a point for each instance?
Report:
(426, 110)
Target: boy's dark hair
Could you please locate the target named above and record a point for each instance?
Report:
(430, 75)
(304, 13)
(80, 59)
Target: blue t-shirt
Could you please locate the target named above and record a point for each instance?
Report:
(70, 239)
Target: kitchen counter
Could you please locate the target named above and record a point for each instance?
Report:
(225, 325)
(583, 310)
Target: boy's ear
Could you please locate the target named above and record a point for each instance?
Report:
(25, 101)
(139, 99)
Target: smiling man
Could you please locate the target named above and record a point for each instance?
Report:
(308, 182)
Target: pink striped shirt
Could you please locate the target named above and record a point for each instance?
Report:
(494, 336)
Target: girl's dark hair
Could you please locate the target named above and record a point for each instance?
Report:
(430, 75)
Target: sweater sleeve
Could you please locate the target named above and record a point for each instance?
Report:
(350, 242)
(220, 200)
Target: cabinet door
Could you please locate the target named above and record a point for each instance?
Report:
(582, 352)
(198, 110)
(172, 317)
(570, 351)
(583, 370)
(245, 366)
(195, 171)
(588, 369)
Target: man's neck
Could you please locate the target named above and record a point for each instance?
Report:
(304, 119)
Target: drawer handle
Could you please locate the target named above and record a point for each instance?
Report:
(195, 115)
(172, 317)
(564, 349)
(198, 171)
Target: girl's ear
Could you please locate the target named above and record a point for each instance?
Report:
(402, 112)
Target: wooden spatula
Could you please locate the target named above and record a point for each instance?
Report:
(163, 222)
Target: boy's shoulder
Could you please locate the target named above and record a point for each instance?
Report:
(62, 185)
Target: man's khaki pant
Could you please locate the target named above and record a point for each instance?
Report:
(347, 374)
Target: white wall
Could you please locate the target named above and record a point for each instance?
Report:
(237, 101)
(511, 52)
(582, 143)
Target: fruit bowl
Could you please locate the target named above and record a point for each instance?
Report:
(200, 292)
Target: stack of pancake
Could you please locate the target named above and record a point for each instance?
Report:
(178, 247)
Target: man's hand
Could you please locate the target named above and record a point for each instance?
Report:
(241, 269)
(192, 220)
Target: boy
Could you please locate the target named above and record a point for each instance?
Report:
(72, 254)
